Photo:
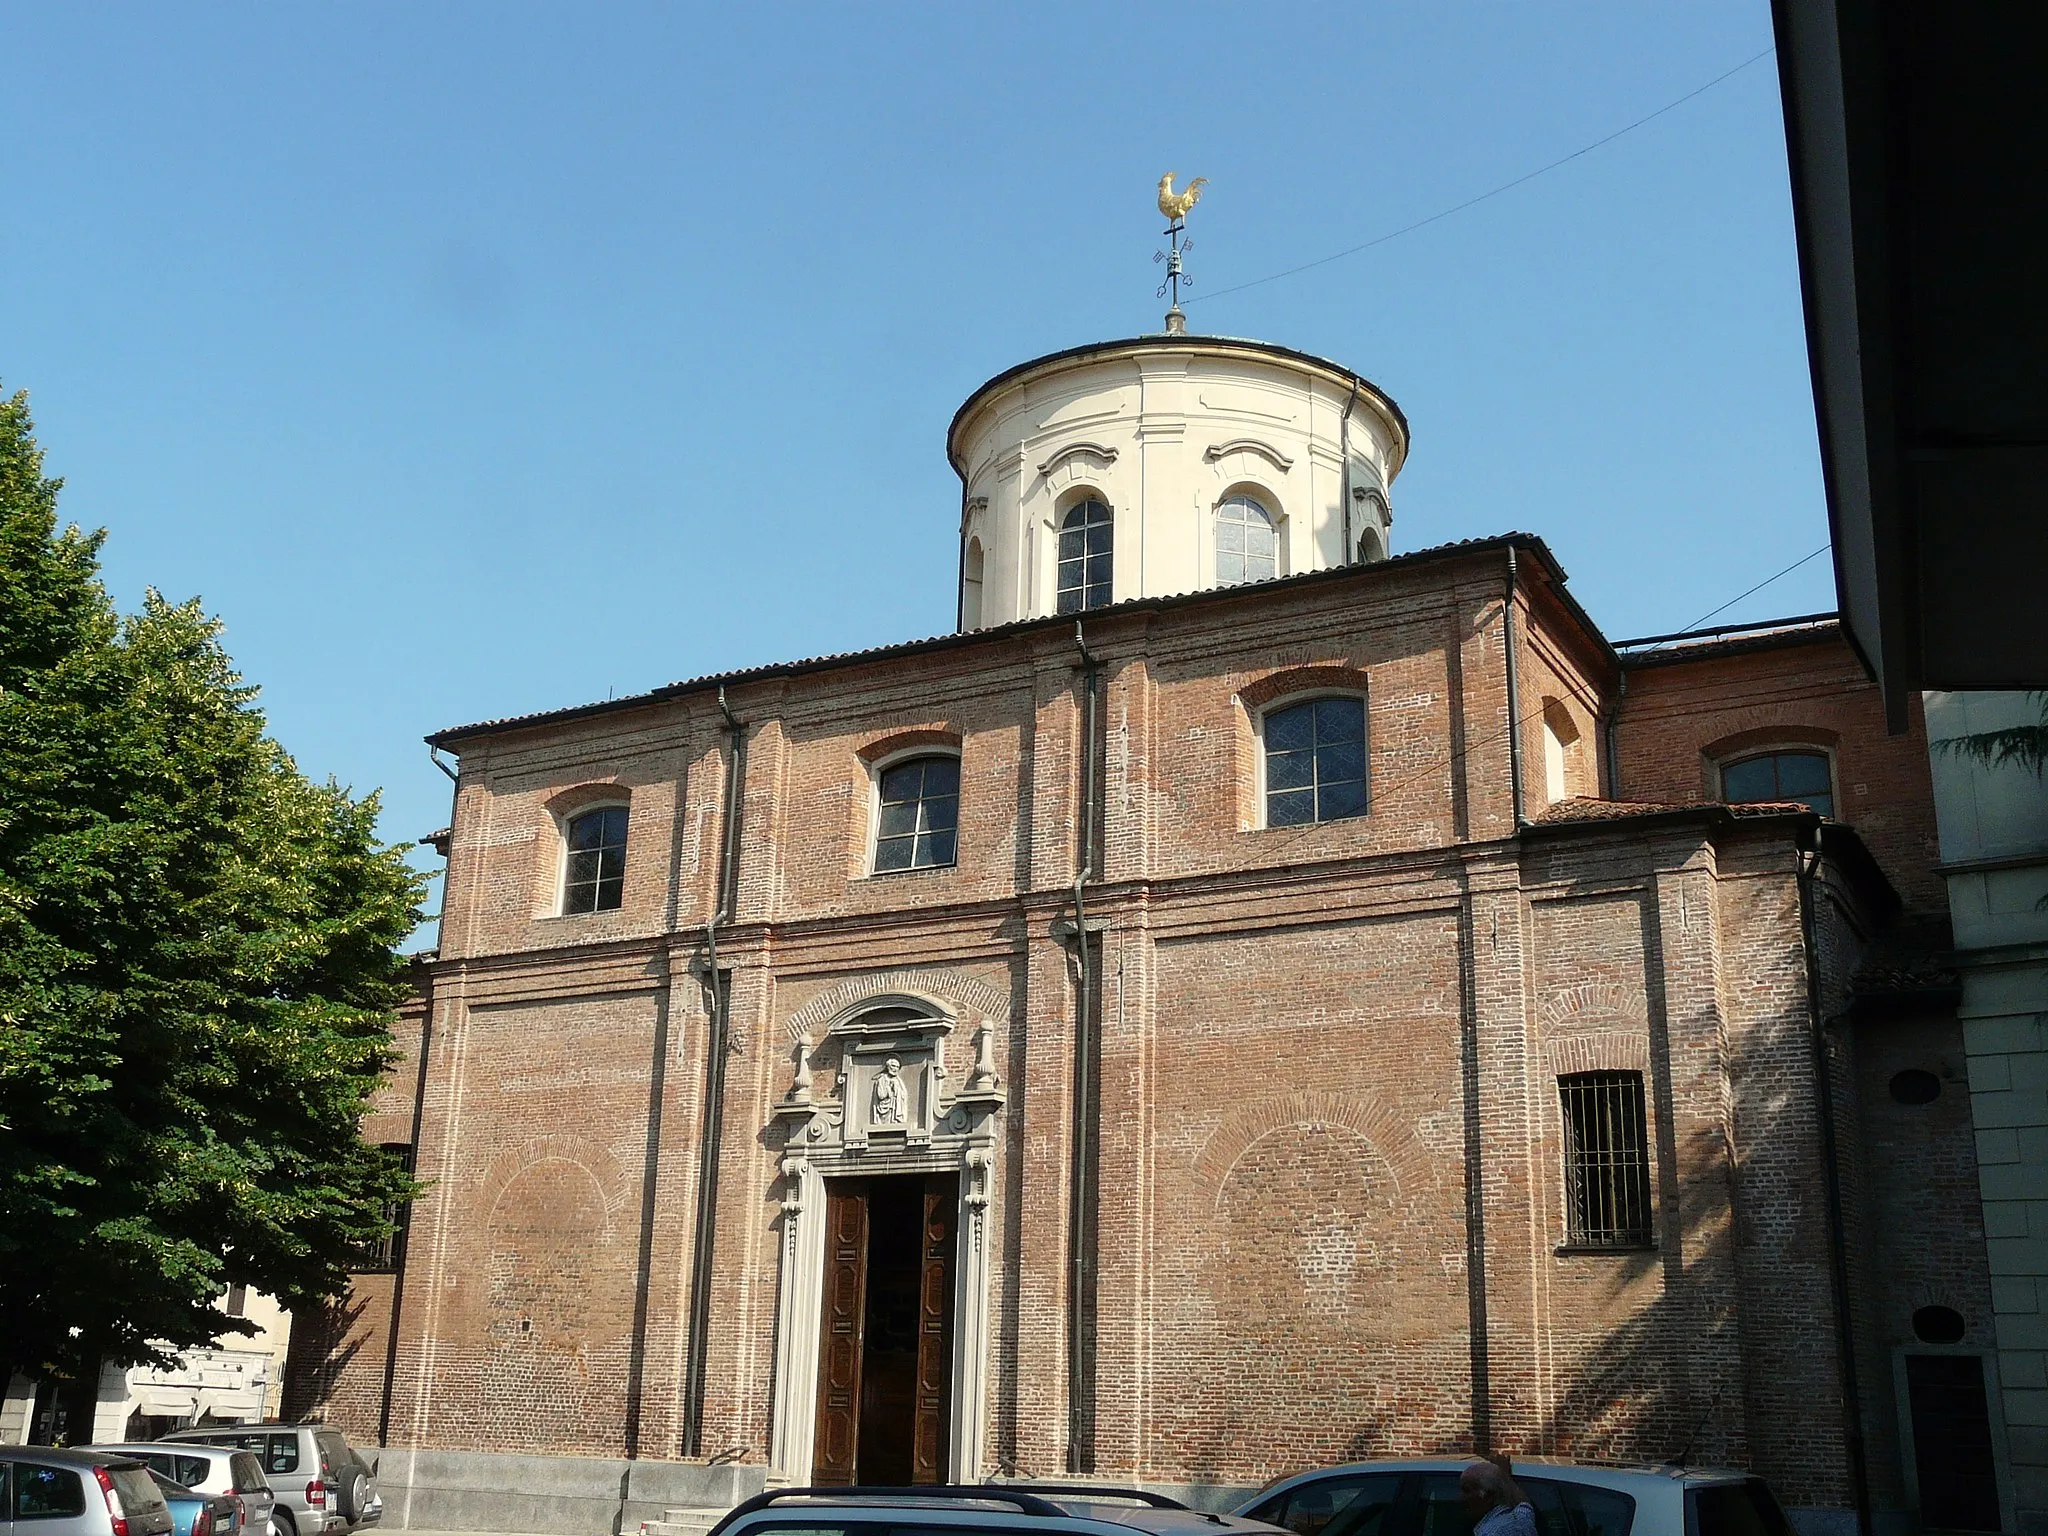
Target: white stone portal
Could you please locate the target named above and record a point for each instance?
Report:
(1165, 431)
(891, 1112)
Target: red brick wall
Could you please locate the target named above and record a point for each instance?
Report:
(1677, 716)
(1317, 1046)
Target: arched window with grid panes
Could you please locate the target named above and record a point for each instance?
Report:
(1247, 544)
(1315, 761)
(1087, 537)
(917, 823)
(594, 873)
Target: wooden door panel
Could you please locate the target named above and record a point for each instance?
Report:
(935, 1330)
(842, 1328)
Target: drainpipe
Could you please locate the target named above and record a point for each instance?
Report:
(714, 1090)
(1080, 1261)
(1507, 630)
(1344, 486)
(1831, 1179)
(960, 576)
(1614, 738)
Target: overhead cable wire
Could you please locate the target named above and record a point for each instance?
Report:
(1454, 757)
(1826, 545)
(1506, 186)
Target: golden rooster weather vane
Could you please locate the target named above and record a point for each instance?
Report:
(1175, 205)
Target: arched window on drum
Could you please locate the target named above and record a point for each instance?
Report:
(1247, 542)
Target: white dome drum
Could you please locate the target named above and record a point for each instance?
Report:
(1166, 464)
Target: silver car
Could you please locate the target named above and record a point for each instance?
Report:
(210, 1469)
(48, 1492)
(322, 1486)
(1420, 1498)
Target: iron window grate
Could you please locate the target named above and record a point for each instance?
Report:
(1607, 1160)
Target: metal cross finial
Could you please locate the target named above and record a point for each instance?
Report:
(1175, 205)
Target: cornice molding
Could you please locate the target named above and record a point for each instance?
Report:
(1266, 451)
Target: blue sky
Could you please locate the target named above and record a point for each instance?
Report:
(469, 360)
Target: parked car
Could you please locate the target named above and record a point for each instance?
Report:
(322, 1486)
(79, 1493)
(1039, 1509)
(1420, 1498)
(200, 1514)
(210, 1469)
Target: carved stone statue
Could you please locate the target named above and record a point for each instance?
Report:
(891, 1102)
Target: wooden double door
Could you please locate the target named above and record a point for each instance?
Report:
(885, 1358)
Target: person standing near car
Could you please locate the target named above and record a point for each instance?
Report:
(1493, 1501)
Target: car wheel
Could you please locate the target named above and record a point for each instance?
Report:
(355, 1493)
(281, 1523)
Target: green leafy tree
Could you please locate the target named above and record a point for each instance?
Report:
(198, 968)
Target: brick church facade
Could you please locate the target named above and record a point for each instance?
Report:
(1346, 1009)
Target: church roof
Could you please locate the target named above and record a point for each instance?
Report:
(1460, 548)
(1164, 341)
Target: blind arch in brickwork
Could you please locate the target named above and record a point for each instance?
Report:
(1389, 1136)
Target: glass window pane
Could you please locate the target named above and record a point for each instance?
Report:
(942, 776)
(1073, 543)
(1259, 567)
(1443, 1512)
(1098, 539)
(893, 853)
(1229, 537)
(1291, 808)
(1259, 539)
(941, 815)
(1340, 720)
(1336, 801)
(1340, 764)
(611, 864)
(1801, 774)
(582, 867)
(1287, 729)
(1230, 570)
(903, 781)
(1751, 780)
(45, 1493)
(1602, 1511)
(609, 895)
(614, 823)
(586, 832)
(1822, 804)
(1069, 600)
(1098, 596)
(1290, 770)
(941, 845)
(898, 817)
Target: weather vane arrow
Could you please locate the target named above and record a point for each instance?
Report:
(1175, 205)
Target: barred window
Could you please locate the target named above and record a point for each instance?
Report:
(387, 1253)
(1606, 1160)
(594, 879)
(920, 821)
(1085, 552)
